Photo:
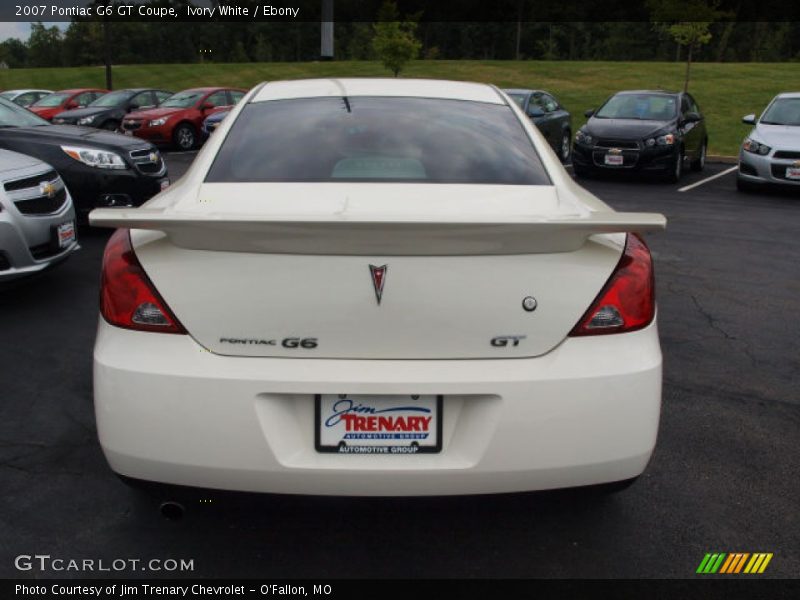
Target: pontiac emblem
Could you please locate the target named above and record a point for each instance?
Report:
(615, 151)
(47, 189)
(378, 279)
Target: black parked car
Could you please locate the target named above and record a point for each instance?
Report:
(647, 131)
(100, 168)
(549, 116)
(108, 110)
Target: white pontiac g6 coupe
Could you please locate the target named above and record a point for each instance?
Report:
(377, 287)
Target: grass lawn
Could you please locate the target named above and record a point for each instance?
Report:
(725, 91)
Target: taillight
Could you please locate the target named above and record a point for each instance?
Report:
(127, 296)
(628, 300)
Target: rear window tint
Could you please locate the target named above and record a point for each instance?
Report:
(377, 139)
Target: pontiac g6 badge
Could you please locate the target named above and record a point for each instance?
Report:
(378, 279)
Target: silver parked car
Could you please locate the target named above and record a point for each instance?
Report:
(770, 154)
(37, 219)
(25, 97)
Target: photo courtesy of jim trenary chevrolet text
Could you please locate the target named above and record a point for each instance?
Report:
(300, 298)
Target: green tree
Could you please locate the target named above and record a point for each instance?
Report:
(689, 34)
(394, 42)
(45, 46)
(237, 53)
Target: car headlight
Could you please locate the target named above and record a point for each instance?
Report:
(756, 147)
(668, 139)
(94, 157)
(86, 120)
(583, 138)
(157, 122)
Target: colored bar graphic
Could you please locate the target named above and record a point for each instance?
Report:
(733, 563)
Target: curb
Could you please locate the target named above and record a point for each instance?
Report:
(717, 158)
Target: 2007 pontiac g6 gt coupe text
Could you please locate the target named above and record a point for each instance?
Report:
(377, 287)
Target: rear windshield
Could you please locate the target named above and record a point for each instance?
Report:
(646, 107)
(377, 139)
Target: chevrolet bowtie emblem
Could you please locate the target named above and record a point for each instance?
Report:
(153, 157)
(615, 151)
(378, 279)
(796, 163)
(47, 189)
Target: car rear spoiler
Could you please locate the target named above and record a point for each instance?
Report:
(365, 236)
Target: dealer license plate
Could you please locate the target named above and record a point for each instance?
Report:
(792, 172)
(614, 159)
(374, 424)
(65, 233)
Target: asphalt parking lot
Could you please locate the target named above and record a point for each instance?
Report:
(724, 477)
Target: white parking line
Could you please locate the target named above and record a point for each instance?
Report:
(707, 179)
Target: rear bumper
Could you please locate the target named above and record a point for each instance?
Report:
(171, 412)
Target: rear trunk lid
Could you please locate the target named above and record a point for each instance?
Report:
(380, 271)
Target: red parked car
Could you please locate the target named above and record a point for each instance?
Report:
(178, 120)
(57, 102)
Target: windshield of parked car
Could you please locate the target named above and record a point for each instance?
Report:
(645, 107)
(182, 100)
(12, 115)
(112, 99)
(52, 100)
(519, 99)
(380, 140)
(783, 111)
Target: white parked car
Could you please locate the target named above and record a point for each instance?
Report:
(37, 218)
(377, 287)
(770, 154)
(25, 97)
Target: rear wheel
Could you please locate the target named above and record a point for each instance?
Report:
(700, 162)
(184, 136)
(566, 147)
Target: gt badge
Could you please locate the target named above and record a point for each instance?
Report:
(378, 279)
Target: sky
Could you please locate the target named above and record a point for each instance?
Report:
(12, 29)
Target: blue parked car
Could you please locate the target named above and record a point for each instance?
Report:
(213, 121)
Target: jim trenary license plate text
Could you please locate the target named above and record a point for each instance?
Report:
(376, 424)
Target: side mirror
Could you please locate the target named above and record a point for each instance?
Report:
(72, 104)
(535, 112)
(206, 106)
(749, 120)
(133, 106)
(589, 113)
(692, 117)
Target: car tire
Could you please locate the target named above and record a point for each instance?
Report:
(700, 163)
(675, 172)
(110, 126)
(184, 137)
(565, 152)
